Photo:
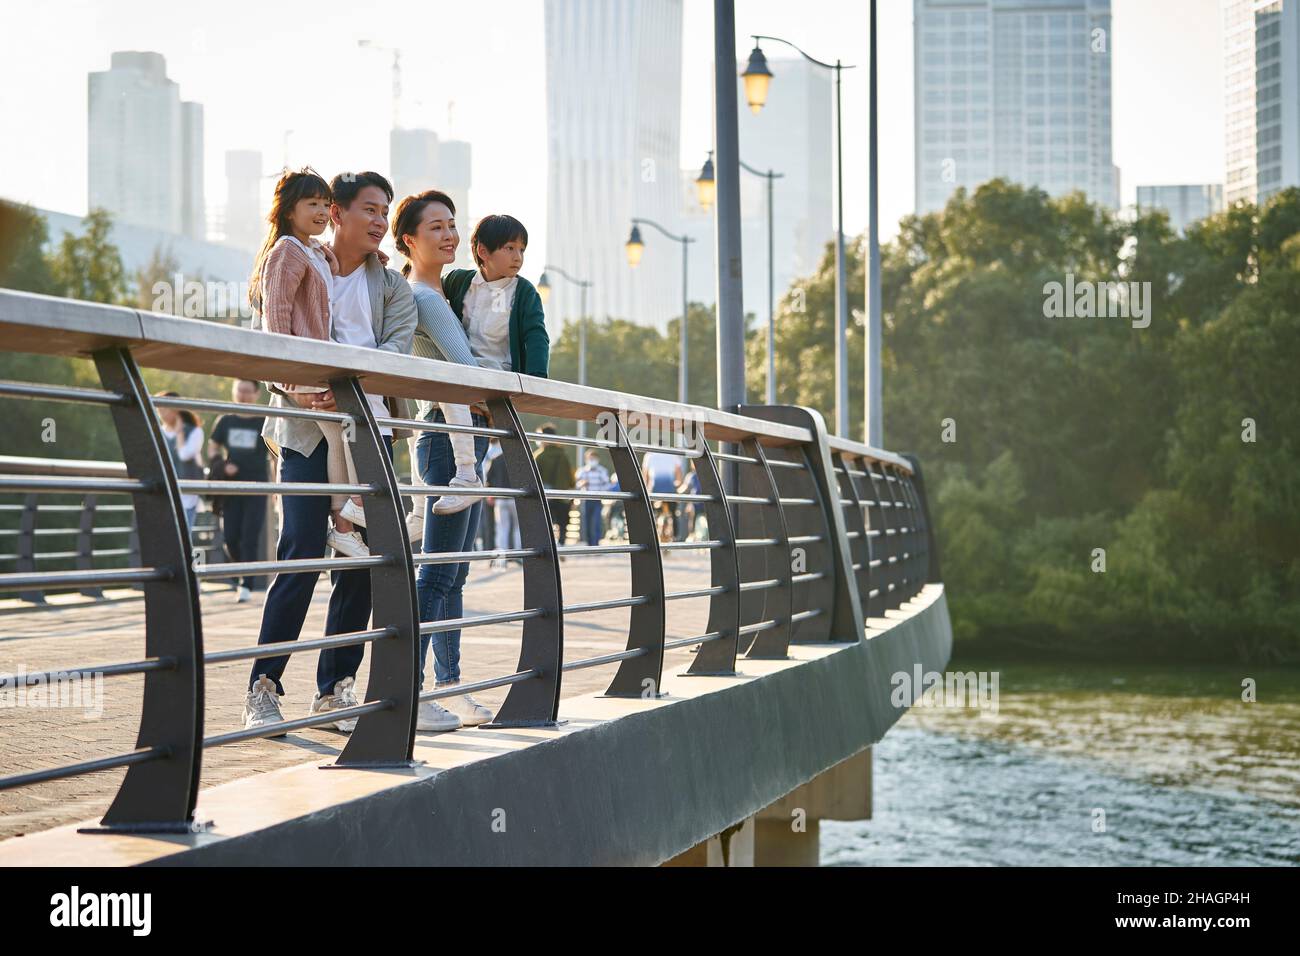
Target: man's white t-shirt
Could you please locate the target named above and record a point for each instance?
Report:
(352, 324)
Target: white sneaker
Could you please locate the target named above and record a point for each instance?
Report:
(243, 595)
(353, 512)
(350, 544)
(432, 716)
(344, 696)
(470, 711)
(262, 706)
(450, 504)
(415, 528)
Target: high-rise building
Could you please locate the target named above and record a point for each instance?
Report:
(244, 223)
(613, 91)
(1019, 89)
(145, 147)
(1261, 49)
(418, 160)
(1184, 204)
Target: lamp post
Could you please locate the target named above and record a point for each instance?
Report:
(757, 79)
(544, 290)
(706, 191)
(635, 246)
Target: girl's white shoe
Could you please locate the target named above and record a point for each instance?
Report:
(349, 545)
(353, 512)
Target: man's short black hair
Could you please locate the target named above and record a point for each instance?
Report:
(547, 429)
(495, 231)
(345, 186)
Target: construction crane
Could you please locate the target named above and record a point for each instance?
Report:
(397, 74)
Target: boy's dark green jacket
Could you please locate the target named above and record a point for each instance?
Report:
(530, 346)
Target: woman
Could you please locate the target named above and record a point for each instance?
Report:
(424, 230)
(181, 428)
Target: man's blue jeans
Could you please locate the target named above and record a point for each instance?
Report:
(306, 522)
(440, 586)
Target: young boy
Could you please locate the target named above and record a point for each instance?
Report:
(501, 311)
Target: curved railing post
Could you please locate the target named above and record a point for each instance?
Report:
(640, 676)
(26, 563)
(536, 702)
(849, 595)
(757, 480)
(86, 542)
(159, 795)
(386, 737)
(718, 658)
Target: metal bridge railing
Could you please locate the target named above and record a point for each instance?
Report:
(805, 533)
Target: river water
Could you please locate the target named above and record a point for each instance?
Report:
(1090, 767)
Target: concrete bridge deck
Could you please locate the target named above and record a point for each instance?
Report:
(637, 777)
(87, 631)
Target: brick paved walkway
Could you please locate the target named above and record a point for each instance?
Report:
(33, 738)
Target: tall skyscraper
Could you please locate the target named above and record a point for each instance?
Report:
(1014, 88)
(613, 91)
(244, 222)
(1261, 68)
(145, 147)
(418, 160)
(1185, 204)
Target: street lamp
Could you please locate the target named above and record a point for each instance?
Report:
(757, 79)
(706, 189)
(635, 246)
(544, 288)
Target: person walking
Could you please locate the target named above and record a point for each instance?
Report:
(593, 476)
(237, 441)
(557, 473)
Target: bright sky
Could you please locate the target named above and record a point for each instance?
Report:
(477, 72)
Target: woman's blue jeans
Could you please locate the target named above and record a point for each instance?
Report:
(439, 586)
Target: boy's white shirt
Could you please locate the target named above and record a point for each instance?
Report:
(487, 319)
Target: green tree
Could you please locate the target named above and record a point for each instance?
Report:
(23, 235)
(89, 266)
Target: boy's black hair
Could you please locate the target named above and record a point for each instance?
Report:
(494, 232)
(345, 186)
(548, 428)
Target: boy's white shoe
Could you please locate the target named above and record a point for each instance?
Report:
(344, 696)
(450, 504)
(351, 511)
(432, 716)
(262, 706)
(470, 711)
(243, 595)
(415, 528)
(350, 544)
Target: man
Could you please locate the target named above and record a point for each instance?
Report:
(372, 307)
(592, 477)
(556, 472)
(238, 454)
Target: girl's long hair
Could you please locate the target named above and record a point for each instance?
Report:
(305, 183)
(407, 219)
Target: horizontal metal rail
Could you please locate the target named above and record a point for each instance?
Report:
(281, 648)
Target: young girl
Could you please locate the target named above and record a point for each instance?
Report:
(290, 288)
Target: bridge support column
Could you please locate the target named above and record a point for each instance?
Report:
(788, 832)
(732, 847)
